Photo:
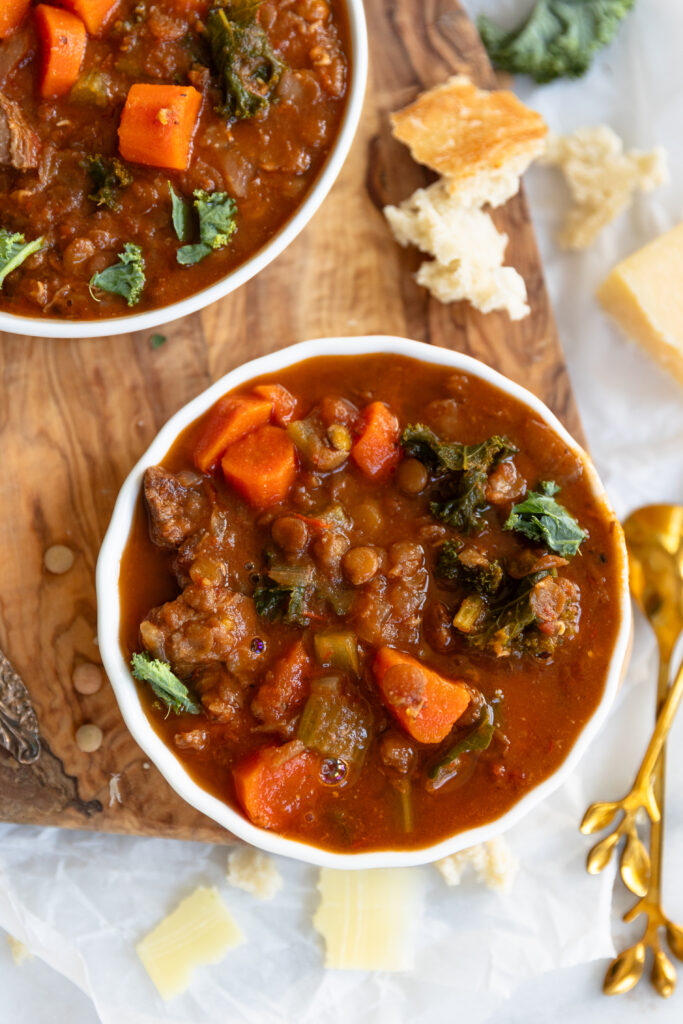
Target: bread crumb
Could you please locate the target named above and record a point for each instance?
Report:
(114, 790)
(467, 247)
(493, 863)
(254, 872)
(602, 179)
(20, 952)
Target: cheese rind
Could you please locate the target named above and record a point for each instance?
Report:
(199, 931)
(643, 293)
(369, 919)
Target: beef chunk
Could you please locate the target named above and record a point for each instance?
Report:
(174, 510)
(204, 624)
(19, 144)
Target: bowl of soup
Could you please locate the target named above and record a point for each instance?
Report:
(364, 602)
(168, 155)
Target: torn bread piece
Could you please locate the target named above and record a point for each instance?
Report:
(602, 178)
(467, 247)
(493, 863)
(254, 872)
(480, 142)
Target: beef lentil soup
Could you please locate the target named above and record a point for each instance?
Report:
(150, 147)
(370, 602)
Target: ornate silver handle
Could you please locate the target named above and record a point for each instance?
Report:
(18, 723)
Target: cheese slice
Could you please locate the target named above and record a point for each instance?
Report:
(199, 931)
(644, 295)
(369, 919)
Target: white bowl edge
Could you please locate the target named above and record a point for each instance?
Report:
(38, 327)
(107, 578)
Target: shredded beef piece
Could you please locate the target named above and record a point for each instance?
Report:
(19, 144)
(204, 624)
(505, 484)
(174, 510)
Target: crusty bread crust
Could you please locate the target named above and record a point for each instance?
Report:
(480, 141)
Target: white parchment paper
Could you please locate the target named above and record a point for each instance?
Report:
(80, 902)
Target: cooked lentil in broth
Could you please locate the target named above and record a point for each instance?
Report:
(265, 162)
(369, 720)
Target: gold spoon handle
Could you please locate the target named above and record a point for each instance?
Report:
(665, 718)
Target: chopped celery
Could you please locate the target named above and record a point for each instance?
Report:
(291, 575)
(336, 723)
(469, 613)
(314, 448)
(338, 650)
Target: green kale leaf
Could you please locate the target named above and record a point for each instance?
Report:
(109, 176)
(165, 684)
(216, 212)
(462, 470)
(181, 215)
(242, 58)
(125, 278)
(478, 739)
(540, 518)
(558, 39)
(274, 601)
(485, 577)
(14, 249)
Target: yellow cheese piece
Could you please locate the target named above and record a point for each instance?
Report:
(644, 294)
(199, 931)
(369, 919)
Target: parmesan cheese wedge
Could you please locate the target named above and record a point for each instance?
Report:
(368, 919)
(199, 931)
(644, 295)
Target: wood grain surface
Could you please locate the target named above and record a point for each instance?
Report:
(76, 414)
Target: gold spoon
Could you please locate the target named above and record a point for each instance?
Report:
(654, 537)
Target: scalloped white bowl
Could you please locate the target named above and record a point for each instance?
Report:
(53, 327)
(108, 568)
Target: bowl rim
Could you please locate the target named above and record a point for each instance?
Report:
(53, 327)
(108, 608)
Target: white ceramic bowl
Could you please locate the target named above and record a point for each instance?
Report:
(40, 327)
(108, 567)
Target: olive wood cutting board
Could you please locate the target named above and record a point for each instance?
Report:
(75, 415)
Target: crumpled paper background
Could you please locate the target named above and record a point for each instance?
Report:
(81, 901)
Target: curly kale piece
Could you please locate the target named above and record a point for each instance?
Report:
(216, 212)
(274, 601)
(540, 518)
(485, 577)
(165, 684)
(242, 58)
(462, 470)
(109, 176)
(14, 249)
(125, 278)
(558, 39)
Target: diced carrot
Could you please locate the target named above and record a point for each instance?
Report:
(230, 418)
(262, 466)
(95, 13)
(12, 13)
(62, 41)
(284, 403)
(284, 688)
(158, 125)
(274, 784)
(376, 451)
(425, 703)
